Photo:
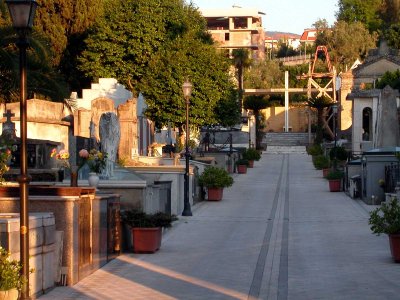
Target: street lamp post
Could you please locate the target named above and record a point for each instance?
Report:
(334, 110)
(22, 14)
(187, 91)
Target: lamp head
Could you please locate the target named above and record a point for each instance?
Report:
(187, 88)
(22, 13)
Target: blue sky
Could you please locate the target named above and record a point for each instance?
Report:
(282, 15)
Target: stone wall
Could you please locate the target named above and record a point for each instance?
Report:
(46, 120)
(298, 118)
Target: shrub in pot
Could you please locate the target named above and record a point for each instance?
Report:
(146, 228)
(251, 155)
(339, 153)
(215, 179)
(334, 178)
(314, 150)
(321, 162)
(241, 165)
(386, 219)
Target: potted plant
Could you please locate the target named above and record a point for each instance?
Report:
(215, 179)
(251, 155)
(242, 165)
(11, 281)
(386, 219)
(322, 162)
(335, 179)
(146, 229)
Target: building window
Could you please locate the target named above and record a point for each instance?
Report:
(227, 36)
(367, 124)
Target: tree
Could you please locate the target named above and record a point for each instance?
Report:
(151, 47)
(256, 103)
(241, 60)
(264, 74)
(60, 20)
(346, 42)
(44, 81)
(320, 104)
(363, 11)
(389, 78)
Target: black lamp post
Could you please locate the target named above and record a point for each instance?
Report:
(187, 91)
(22, 14)
(335, 110)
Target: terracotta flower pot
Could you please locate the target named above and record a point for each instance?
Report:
(242, 169)
(146, 240)
(394, 241)
(334, 185)
(215, 194)
(251, 164)
(325, 172)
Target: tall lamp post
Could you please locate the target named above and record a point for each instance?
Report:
(335, 110)
(22, 14)
(187, 91)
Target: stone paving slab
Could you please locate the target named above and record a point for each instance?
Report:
(277, 234)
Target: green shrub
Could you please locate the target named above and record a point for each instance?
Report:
(242, 162)
(251, 154)
(321, 162)
(335, 174)
(315, 149)
(386, 219)
(10, 277)
(339, 153)
(215, 177)
(138, 218)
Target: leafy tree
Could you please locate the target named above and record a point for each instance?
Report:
(241, 60)
(346, 42)
(389, 78)
(284, 50)
(227, 108)
(363, 11)
(320, 104)
(151, 47)
(59, 20)
(44, 81)
(256, 103)
(264, 74)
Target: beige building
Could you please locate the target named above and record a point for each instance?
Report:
(237, 28)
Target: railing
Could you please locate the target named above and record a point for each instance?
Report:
(392, 176)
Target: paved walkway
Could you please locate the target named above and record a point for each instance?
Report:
(277, 234)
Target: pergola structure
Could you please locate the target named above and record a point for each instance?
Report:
(313, 87)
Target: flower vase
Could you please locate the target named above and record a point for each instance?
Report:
(74, 176)
(93, 179)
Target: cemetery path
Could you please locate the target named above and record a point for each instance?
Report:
(278, 233)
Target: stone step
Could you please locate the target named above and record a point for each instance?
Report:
(286, 139)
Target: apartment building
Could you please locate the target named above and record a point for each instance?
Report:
(237, 28)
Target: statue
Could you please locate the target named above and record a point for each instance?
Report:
(109, 130)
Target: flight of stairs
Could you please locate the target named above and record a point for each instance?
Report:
(286, 139)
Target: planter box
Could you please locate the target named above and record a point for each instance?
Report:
(146, 240)
(251, 164)
(335, 185)
(215, 194)
(242, 169)
(394, 241)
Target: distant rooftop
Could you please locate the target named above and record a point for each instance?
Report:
(232, 12)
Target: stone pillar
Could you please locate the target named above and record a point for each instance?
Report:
(128, 145)
(345, 113)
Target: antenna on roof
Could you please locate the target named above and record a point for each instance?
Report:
(236, 6)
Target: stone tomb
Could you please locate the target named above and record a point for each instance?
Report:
(42, 244)
(90, 223)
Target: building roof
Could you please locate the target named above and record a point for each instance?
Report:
(309, 35)
(232, 12)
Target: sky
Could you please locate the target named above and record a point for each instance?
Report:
(282, 15)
